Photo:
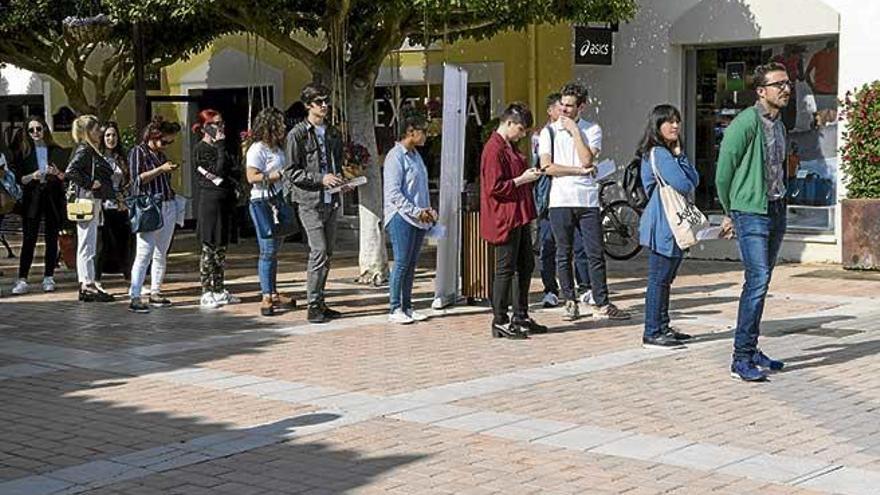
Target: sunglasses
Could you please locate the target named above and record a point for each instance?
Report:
(34, 130)
(166, 142)
(321, 102)
(780, 85)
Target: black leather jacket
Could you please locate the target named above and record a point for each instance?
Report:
(302, 177)
(79, 172)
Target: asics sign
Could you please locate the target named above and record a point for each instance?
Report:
(593, 46)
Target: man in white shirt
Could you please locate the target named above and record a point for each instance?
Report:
(574, 200)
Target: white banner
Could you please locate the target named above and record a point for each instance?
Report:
(447, 281)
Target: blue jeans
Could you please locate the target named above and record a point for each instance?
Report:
(759, 238)
(661, 273)
(547, 257)
(566, 223)
(267, 266)
(406, 243)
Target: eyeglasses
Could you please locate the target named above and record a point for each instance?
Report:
(780, 85)
(321, 102)
(166, 142)
(34, 130)
(218, 125)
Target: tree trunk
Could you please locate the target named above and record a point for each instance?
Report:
(373, 258)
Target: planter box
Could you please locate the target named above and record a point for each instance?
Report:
(861, 234)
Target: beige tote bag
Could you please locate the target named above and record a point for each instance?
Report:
(684, 218)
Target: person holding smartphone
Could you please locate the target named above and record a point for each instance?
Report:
(507, 209)
(151, 174)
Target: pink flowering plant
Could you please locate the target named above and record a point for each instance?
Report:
(861, 151)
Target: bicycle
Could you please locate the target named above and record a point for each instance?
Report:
(620, 224)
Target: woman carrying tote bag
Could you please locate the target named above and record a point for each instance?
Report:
(90, 177)
(661, 149)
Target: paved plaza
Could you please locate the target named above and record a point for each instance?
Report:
(96, 400)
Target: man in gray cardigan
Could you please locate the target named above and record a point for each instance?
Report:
(314, 166)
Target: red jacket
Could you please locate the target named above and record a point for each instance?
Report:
(503, 205)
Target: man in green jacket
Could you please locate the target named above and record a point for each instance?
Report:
(750, 178)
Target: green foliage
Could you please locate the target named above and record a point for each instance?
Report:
(861, 153)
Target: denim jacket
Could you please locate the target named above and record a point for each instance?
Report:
(678, 172)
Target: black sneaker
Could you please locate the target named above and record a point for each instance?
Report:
(675, 334)
(329, 313)
(137, 306)
(530, 325)
(316, 314)
(158, 301)
(508, 331)
(662, 341)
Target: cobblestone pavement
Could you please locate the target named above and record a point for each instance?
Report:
(185, 401)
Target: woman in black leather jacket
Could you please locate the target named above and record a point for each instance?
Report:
(91, 177)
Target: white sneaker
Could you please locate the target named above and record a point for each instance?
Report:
(587, 298)
(208, 301)
(20, 287)
(416, 316)
(49, 284)
(399, 317)
(550, 300)
(225, 297)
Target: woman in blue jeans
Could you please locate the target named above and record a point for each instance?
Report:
(662, 153)
(265, 162)
(408, 214)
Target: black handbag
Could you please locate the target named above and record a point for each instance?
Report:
(144, 211)
(276, 218)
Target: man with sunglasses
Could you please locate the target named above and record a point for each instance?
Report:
(314, 165)
(750, 179)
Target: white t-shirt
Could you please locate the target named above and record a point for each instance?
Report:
(266, 160)
(571, 191)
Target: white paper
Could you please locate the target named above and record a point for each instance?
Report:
(438, 231)
(357, 181)
(180, 205)
(709, 233)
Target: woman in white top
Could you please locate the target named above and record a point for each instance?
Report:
(265, 164)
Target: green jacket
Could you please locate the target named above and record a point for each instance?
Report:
(739, 175)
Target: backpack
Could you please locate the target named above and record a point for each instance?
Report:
(632, 185)
(542, 186)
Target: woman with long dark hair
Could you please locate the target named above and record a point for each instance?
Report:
(38, 165)
(115, 252)
(266, 161)
(216, 177)
(91, 178)
(662, 154)
(151, 174)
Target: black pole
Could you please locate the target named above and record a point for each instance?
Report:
(140, 83)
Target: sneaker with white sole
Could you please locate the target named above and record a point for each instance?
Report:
(399, 317)
(610, 312)
(587, 298)
(208, 301)
(20, 287)
(225, 297)
(572, 311)
(550, 300)
(49, 284)
(416, 316)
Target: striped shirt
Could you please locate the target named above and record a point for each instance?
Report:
(142, 159)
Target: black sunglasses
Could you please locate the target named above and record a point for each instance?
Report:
(166, 142)
(321, 101)
(34, 130)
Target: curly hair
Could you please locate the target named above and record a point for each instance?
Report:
(159, 127)
(269, 127)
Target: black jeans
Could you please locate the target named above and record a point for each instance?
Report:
(514, 256)
(565, 221)
(30, 233)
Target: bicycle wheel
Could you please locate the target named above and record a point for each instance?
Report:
(620, 228)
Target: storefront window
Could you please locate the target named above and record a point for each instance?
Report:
(723, 89)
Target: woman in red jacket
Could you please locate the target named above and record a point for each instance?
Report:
(506, 210)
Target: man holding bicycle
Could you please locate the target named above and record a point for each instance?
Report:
(574, 200)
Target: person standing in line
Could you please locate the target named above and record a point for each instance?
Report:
(506, 211)
(408, 214)
(750, 178)
(151, 174)
(35, 166)
(116, 239)
(568, 155)
(314, 154)
(91, 177)
(265, 162)
(214, 170)
(662, 154)
(546, 250)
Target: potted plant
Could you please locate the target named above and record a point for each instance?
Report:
(861, 168)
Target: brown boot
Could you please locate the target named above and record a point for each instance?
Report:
(266, 308)
(284, 302)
